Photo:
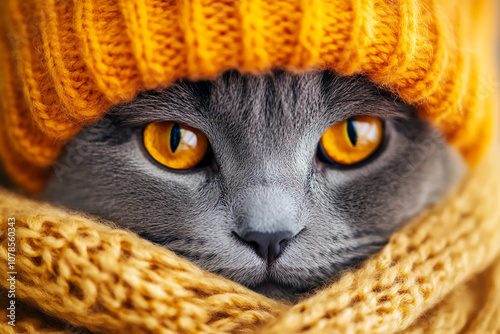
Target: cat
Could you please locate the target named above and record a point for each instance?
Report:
(264, 207)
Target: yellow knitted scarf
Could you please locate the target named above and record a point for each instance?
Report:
(439, 274)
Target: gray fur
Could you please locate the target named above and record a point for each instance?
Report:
(265, 175)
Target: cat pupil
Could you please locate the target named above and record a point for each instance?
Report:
(175, 137)
(351, 132)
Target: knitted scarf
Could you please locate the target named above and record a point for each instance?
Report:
(438, 274)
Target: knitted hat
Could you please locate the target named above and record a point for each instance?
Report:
(64, 63)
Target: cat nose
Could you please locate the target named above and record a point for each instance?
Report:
(267, 245)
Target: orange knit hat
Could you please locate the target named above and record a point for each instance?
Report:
(64, 63)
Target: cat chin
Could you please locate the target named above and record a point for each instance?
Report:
(277, 291)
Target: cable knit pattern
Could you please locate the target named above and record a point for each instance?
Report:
(65, 62)
(439, 274)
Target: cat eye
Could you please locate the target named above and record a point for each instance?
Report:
(175, 145)
(353, 140)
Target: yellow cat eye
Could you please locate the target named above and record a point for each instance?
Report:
(353, 140)
(175, 145)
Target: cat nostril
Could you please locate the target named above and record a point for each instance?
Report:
(267, 245)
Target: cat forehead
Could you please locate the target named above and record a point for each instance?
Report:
(279, 97)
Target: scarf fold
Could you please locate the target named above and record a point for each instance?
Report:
(440, 273)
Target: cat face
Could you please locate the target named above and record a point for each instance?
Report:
(265, 206)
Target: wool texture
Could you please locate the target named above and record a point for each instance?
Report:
(439, 274)
(63, 63)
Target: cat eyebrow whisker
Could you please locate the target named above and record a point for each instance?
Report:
(189, 101)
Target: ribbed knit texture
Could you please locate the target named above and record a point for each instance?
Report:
(439, 274)
(63, 63)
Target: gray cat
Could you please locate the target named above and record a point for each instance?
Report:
(264, 207)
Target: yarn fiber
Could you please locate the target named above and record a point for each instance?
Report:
(439, 274)
(64, 63)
